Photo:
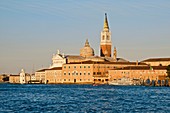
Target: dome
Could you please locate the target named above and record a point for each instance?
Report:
(86, 51)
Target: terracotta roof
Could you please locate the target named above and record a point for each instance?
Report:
(41, 70)
(95, 58)
(55, 68)
(26, 74)
(142, 68)
(117, 59)
(156, 59)
(74, 57)
(14, 75)
(107, 62)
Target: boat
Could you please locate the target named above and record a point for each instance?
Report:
(95, 84)
(123, 81)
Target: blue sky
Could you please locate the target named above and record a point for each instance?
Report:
(32, 30)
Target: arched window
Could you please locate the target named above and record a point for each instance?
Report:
(103, 37)
(108, 37)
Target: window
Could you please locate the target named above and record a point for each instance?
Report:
(80, 79)
(84, 73)
(108, 37)
(74, 66)
(69, 67)
(88, 66)
(64, 66)
(64, 79)
(69, 73)
(64, 73)
(84, 66)
(80, 73)
(88, 73)
(98, 73)
(80, 66)
(103, 37)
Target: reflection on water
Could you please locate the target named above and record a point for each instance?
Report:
(83, 98)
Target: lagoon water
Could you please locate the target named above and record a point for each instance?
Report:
(16, 98)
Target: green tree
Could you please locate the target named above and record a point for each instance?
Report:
(168, 71)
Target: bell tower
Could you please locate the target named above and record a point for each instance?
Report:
(105, 41)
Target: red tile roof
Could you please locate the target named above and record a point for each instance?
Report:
(55, 68)
(156, 59)
(142, 68)
(107, 62)
(41, 70)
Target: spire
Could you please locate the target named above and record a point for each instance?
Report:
(87, 43)
(106, 26)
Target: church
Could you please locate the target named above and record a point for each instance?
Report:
(87, 52)
(87, 68)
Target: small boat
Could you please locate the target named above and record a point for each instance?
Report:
(95, 84)
(123, 81)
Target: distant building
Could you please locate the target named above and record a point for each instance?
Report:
(77, 73)
(139, 73)
(1, 78)
(14, 79)
(157, 61)
(53, 75)
(88, 72)
(22, 77)
(40, 76)
(33, 77)
(58, 60)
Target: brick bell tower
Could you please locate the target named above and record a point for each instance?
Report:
(105, 41)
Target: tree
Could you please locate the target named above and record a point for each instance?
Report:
(168, 71)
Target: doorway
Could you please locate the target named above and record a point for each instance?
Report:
(74, 80)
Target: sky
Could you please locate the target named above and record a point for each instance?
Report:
(31, 31)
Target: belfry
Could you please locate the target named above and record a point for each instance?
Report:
(105, 41)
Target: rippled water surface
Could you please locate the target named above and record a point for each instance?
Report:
(83, 98)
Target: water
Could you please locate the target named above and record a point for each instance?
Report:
(83, 98)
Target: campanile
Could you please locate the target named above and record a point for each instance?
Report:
(105, 41)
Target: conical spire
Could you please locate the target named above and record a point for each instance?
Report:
(106, 25)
